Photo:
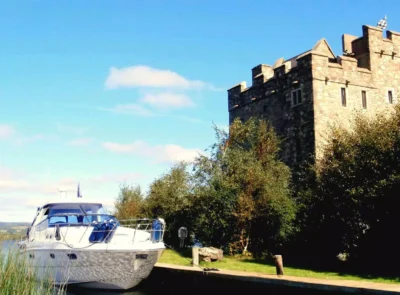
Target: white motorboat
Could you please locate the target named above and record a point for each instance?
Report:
(79, 242)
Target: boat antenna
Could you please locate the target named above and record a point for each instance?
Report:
(78, 194)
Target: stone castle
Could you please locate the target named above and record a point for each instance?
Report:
(303, 95)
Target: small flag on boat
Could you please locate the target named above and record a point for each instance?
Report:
(79, 192)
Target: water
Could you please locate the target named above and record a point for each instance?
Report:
(164, 282)
(84, 291)
(5, 245)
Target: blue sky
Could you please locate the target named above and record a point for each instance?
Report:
(103, 92)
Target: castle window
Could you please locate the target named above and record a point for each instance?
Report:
(390, 96)
(344, 101)
(364, 99)
(296, 97)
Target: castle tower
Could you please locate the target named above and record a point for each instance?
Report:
(304, 95)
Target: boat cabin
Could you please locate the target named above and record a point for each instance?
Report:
(71, 213)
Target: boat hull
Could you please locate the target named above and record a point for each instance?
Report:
(117, 269)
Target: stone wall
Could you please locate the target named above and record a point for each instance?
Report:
(381, 76)
(371, 64)
(270, 97)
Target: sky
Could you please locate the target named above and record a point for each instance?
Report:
(105, 92)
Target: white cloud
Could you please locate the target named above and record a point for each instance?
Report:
(21, 192)
(35, 137)
(144, 76)
(12, 179)
(80, 141)
(17, 181)
(130, 109)
(9, 184)
(167, 100)
(138, 110)
(168, 153)
(6, 131)
(77, 130)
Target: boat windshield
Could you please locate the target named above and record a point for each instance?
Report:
(77, 213)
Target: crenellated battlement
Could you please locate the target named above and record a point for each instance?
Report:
(394, 37)
(272, 79)
(372, 43)
(356, 61)
(303, 95)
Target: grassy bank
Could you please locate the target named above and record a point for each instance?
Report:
(5, 237)
(16, 278)
(253, 265)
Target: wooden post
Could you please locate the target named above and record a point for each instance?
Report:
(195, 256)
(279, 265)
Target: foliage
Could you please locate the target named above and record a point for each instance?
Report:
(167, 198)
(240, 198)
(8, 236)
(129, 203)
(243, 191)
(168, 193)
(17, 278)
(355, 195)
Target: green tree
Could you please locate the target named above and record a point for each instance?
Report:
(242, 190)
(129, 203)
(168, 196)
(355, 201)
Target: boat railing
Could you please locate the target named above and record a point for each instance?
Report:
(155, 227)
(103, 228)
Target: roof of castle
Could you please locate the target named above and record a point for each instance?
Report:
(321, 46)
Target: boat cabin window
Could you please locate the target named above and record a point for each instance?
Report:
(77, 213)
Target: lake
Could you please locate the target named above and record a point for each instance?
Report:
(167, 283)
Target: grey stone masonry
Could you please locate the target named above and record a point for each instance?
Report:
(304, 95)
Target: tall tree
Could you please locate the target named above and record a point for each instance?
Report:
(129, 203)
(356, 195)
(168, 196)
(248, 186)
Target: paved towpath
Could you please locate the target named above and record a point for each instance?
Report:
(347, 286)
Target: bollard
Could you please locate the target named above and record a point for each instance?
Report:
(195, 256)
(279, 265)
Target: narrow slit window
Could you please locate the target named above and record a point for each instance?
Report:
(344, 100)
(297, 97)
(390, 96)
(294, 98)
(364, 99)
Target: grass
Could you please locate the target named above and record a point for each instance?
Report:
(7, 236)
(17, 278)
(252, 265)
